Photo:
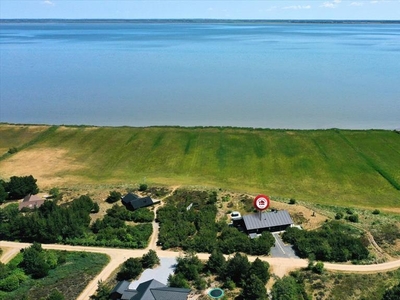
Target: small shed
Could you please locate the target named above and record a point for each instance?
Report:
(31, 202)
(269, 221)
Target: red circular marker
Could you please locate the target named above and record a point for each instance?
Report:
(261, 202)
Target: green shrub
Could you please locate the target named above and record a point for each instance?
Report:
(55, 193)
(150, 259)
(229, 284)
(9, 283)
(131, 268)
(55, 295)
(289, 288)
(96, 208)
(318, 267)
(292, 201)
(142, 187)
(393, 293)
(338, 216)
(12, 150)
(20, 274)
(113, 197)
(178, 280)
(352, 218)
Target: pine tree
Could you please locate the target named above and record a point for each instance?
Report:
(254, 289)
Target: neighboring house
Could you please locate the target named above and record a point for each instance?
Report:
(269, 221)
(133, 201)
(31, 201)
(149, 290)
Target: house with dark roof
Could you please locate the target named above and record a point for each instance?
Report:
(132, 201)
(31, 202)
(267, 221)
(149, 290)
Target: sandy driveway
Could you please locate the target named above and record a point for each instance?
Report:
(280, 266)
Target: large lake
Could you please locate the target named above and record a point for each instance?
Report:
(277, 75)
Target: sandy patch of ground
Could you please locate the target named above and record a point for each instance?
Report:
(301, 215)
(47, 165)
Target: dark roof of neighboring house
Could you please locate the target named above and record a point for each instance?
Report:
(123, 291)
(144, 290)
(268, 219)
(169, 293)
(142, 202)
(121, 287)
(129, 197)
(150, 290)
(135, 202)
(30, 201)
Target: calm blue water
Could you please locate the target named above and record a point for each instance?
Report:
(254, 75)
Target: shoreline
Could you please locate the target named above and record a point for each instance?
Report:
(202, 21)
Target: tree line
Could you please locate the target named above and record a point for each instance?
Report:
(70, 223)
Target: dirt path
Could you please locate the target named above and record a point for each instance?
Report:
(8, 254)
(280, 266)
(156, 226)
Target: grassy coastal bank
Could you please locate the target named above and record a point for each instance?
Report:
(339, 167)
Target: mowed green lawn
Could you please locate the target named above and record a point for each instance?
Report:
(341, 167)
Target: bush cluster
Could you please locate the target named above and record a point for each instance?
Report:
(133, 267)
(196, 229)
(140, 215)
(36, 262)
(290, 287)
(234, 272)
(332, 242)
(18, 187)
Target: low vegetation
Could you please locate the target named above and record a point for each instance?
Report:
(333, 285)
(384, 226)
(334, 241)
(42, 274)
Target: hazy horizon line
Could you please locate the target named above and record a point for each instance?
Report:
(202, 126)
(204, 20)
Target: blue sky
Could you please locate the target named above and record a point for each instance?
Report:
(222, 9)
